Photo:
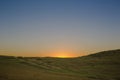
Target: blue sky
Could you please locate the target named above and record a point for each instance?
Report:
(42, 27)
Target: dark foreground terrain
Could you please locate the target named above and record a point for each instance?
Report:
(100, 66)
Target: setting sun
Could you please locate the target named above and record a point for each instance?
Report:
(62, 55)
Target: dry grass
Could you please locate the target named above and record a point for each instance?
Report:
(100, 66)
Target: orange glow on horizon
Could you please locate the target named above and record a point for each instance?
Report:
(57, 53)
(63, 55)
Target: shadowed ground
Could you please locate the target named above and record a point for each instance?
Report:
(100, 66)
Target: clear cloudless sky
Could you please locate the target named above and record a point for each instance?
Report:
(50, 27)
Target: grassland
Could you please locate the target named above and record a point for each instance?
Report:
(100, 66)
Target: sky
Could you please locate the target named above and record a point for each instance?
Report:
(58, 27)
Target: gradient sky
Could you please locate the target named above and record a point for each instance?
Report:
(51, 27)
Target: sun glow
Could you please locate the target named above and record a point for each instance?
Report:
(63, 55)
